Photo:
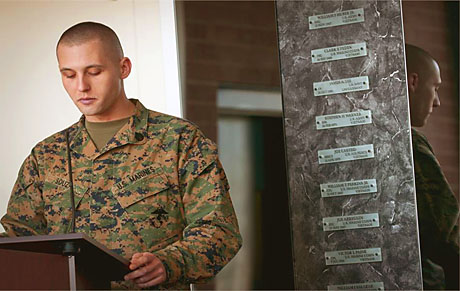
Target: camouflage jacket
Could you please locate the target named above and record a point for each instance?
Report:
(157, 186)
(438, 218)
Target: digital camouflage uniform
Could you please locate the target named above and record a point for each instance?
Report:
(438, 218)
(157, 186)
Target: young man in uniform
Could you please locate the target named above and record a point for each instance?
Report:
(148, 186)
(436, 203)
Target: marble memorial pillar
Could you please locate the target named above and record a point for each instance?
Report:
(347, 130)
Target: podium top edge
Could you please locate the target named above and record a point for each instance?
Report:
(78, 236)
(37, 238)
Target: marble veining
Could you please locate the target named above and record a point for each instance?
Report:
(389, 133)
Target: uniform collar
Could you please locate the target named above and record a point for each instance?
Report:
(134, 132)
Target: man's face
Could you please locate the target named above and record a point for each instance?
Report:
(92, 76)
(424, 95)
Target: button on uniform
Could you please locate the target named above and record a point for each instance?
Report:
(139, 136)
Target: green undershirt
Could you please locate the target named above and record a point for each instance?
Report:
(102, 132)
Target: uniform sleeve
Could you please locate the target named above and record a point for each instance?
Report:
(24, 215)
(211, 238)
(437, 211)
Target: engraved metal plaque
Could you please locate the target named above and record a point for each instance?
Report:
(374, 286)
(353, 256)
(348, 188)
(341, 86)
(343, 119)
(346, 154)
(351, 222)
(341, 52)
(336, 18)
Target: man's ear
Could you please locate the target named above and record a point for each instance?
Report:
(125, 66)
(412, 81)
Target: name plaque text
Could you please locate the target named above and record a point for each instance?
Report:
(341, 86)
(357, 256)
(374, 286)
(341, 52)
(351, 222)
(348, 188)
(336, 18)
(346, 154)
(343, 119)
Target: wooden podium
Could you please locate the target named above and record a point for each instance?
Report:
(65, 262)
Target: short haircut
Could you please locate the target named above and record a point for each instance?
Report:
(88, 31)
(418, 60)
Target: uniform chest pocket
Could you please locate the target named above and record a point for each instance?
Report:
(150, 207)
(143, 194)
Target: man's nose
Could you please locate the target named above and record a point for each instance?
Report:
(83, 84)
(437, 102)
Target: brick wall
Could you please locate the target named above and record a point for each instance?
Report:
(433, 26)
(226, 43)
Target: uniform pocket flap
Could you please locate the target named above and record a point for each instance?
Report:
(140, 185)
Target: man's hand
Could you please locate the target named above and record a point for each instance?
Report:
(148, 270)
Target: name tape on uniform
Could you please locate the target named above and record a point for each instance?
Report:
(351, 222)
(343, 119)
(373, 286)
(357, 256)
(336, 18)
(346, 154)
(341, 86)
(348, 188)
(341, 52)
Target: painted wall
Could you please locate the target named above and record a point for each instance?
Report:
(34, 104)
(236, 154)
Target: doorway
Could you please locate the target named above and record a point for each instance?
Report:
(251, 148)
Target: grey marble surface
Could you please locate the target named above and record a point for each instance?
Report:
(389, 133)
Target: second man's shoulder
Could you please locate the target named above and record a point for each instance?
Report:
(420, 143)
